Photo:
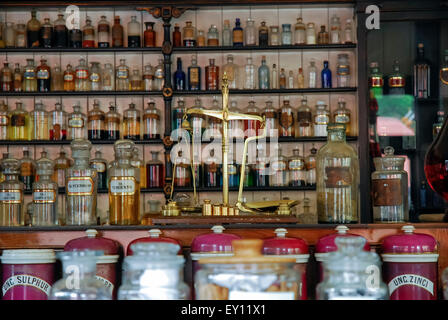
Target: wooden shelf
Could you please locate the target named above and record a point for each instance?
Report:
(66, 142)
(86, 50)
(267, 91)
(81, 93)
(201, 220)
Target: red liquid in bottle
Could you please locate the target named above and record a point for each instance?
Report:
(88, 43)
(154, 175)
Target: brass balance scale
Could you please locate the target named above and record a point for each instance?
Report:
(277, 207)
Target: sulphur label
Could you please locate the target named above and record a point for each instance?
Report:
(411, 280)
(26, 280)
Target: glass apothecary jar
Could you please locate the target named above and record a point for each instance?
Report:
(11, 194)
(247, 275)
(390, 188)
(151, 122)
(286, 34)
(154, 272)
(250, 33)
(343, 71)
(310, 33)
(274, 36)
(213, 36)
(299, 32)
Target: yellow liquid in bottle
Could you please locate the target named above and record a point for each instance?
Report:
(124, 209)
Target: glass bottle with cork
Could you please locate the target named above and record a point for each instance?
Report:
(10, 34)
(263, 35)
(60, 32)
(11, 194)
(46, 34)
(112, 123)
(148, 78)
(214, 126)
(322, 36)
(212, 170)
(290, 81)
(20, 126)
(299, 32)
(103, 33)
(32, 31)
(211, 76)
(278, 167)
(75, 35)
(348, 32)
(134, 29)
(43, 76)
(286, 34)
(149, 35)
(263, 75)
(189, 35)
(122, 76)
(135, 80)
(249, 74)
(82, 75)
(252, 127)
(274, 77)
(61, 163)
(77, 123)
(177, 118)
(27, 168)
(4, 120)
(182, 175)
(343, 115)
(95, 76)
(100, 165)
(287, 124)
(232, 71)
(159, 76)
(131, 123)
(271, 117)
(20, 41)
(335, 29)
(326, 76)
(282, 79)
(200, 39)
(69, 78)
(117, 33)
(108, 77)
(40, 122)
(235, 127)
(151, 122)
(274, 36)
(250, 33)
(261, 170)
(88, 34)
(194, 74)
(179, 77)
(58, 128)
(17, 78)
(155, 172)
(95, 122)
(312, 74)
(304, 119)
(310, 33)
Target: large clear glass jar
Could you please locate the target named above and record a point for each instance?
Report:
(177, 118)
(304, 119)
(274, 36)
(213, 36)
(17, 78)
(20, 125)
(252, 127)
(124, 186)
(11, 194)
(159, 76)
(40, 122)
(348, 273)
(227, 39)
(271, 116)
(103, 33)
(88, 34)
(286, 34)
(83, 263)
(287, 123)
(343, 115)
(299, 32)
(122, 76)
(335, 29)
(108, 77)
(135, 81)
(100, 165)
(81, 186)
(310, 33)
(69, 78)
(249, 74)
(189, 35)
(247, 275)
(131, 123)
(95, 122)
(77, 123)
(337, 172)
(148, 78)
(151, 122)
(29, 77)
(297, 169)
(82, 76)
(321, 119)
(235, 127)
(348, 32)
(20, 41)
(95, 76)
(154, 272)
(343, 71)
(4, 120)
(278, 167)
(45, 194)
(232, 71)
(27, 170)
(390, 189)
(112, 123)
(58, 125)
(312, 74)
(250, 33)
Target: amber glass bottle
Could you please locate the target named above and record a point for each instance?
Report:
(177, 37)
(149, 35)
(117, 33)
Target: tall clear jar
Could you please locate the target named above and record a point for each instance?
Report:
(200, 40)
(263, 35)
(131, 123)
(45, 194)
(122, 76)
(297, 169)
(100, 165)
(29, 77)
(304, 120)
(58, 125)
(43, 76)
(287, 123)
(60, 32)
(312, 74)
(95, 76)
(61, 164)
(134, 30)
(337, 172)
(81, 186)
(124, 186)
(6, 78)
(27, 170)
(335, 29)
(343, 115)
(227, 38)
(249, 74)
(159, 76)
(299, 32)
(88, 34)
(343, 71)
(321, 119)
(274, 36)
(57, 79)
(213, 36)
(77, 123)
(348, 32)
(310, 33)
(271, 116)
(46, 34)
(10, 35)
(135, 82)
(20, 41)
(250, 33)
(278, 170)
(390, 189)
(182, 174)
(286, 34)
(95, 122)
(235, 127)
(148, 78)
(20, 125)
(232, 71)
(310, 163)
(214, 127)
(11, 194)
(32, 31)
(263, 75)
(322, 36)
(82, 76)
(4, 120)
(151, 122)
(17, 78)
(112, 123)
(108, 77)
(103, 33)
(154, 171)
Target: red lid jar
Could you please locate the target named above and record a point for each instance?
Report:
(154, 236)
(297, 248)
(410, 265)
(106, 265)
(27, 274)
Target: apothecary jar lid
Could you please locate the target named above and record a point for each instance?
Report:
(389, 161)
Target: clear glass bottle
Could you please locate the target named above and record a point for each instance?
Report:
(122, 76)
(103, 33)
(10, 34)
(155, 172)
(233, 170)
(299, 32)
(95, 122)
(310, 163)
(46, 34)
(69, 78)
(182, 174)
(95, 76)
(139, 164)
(227, 39)
(274, 77)
(82, 76)
(337, 172)
(81, 186)
(274, 36)
(235, 127)
(58, 128)
(250, 33)
(263, 35)
(323, 36)
(60, 32)
(29, 77)
(343, 71)
(290, 81)
(249, 74)
(297, 169)
(148, 78)
(286, 34)
(117, 33)
(57, 79)
(45, 194)
(200, 40)
(6, 78)
(197, 121)
(335, 29)
(135, 80)
(263, 75)
(189, 35)
(108, 77)
(282, 79)
(112, 123)
(11, 194)
(252, 127)
(88, 34)
(151, 122)
(20, 40)
(134, 30)
(100, 165)
(304, 119)
(43, 76)
(300, 79)
(278, 167)
(390, 189)
(27, 169)
(159, 76)
(32, 31)
(271, 116)
(20, 126)
(17, 78)
(233, 73)
(238, 34)
(40, 122)
(177, 118)
(61, 164)
(131, 123)
(212, 76)
(346, 276)
(348, 32)
(214, 126)
(310, 33)
(88, 287)
(77, 123)
(4, 120)
(312, 74)
(213, 36)
(343, 115)
(124, 186)
(287, 123)
(321, 119)
(149, 36)
(261, 170)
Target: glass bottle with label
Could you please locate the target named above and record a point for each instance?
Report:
(81, 186)
(343, 115)
(299, 32)
(75, 36)
(297, 169)
(335, 31)
(250, 33)
(112, 123)
(138, 163)
(252, 127)
(263, 35)
(212, 170)
(310, 163)
(321, 119)
(287, 125)
(310, 33)
(103, 33)
(17, 78)
(77, 123)
(20, 41)
(271, 117)
(88, 34)
(134, 29)
(122, 76)
(108, 77)
(11, 195)
(46, 34)
(124, 186)
(189, 35)
(32, 31)
(249, 74)
(95, 122)
(6, 80)
(117, 33)
(151, 122)
(348, 31)
(282, 79)
(390, 189)
(212, 76)
(135, 80)
(61, 163)
(179, 77)
(154, 171)
(286, 34)
(57, 79)
(58, 130)
(278, 175)
(45, 194)
(227, 34)
(194, 75)
(274, 77)
(149, 36)
(237, 34)
(337, 172)
(322, 36)
(274, 36)
(40, 122)
(10, 34)
(27, 168)
(20, 125)
(200, 40)
(182, 175)
(343, 71)
(396, 80)
(131, 123)
(304, 120)
(43, 76)
(60, 32)
(197, 121)
(4, 120)
(95, 76)
(82, 76)
(159, 76)
(213, 36)
(312, 74)
(263, 75)
(69, 78)
(177, 36)
(232, 71)
(100, 165)
(148, 78)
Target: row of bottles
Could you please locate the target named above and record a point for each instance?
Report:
(81, 78)
(40, 124)
(56, 35)
(286, 121)
(264, 35)
(245, 77)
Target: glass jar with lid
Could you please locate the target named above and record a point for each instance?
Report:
(233, 73)
(182, 173)
(131, 123)
(32, 31)
(214, 127)
(250, 33)
(82, 76)
(154, 272)
(57, 79)
(287, 123)
(274, 36)
(117, 33)
(189, 35)
(20, 125)
(88, 34)
(43, 76)
(100, 165)
(213, 36)
(299, 32)
(112, 123)
(134, 30)
(60, 32)
(310, 164)
(20, 41)
(69, 77)
(321, 119)
(58, 128)
(343, 115)
(17, 78)
(10, 34)
(263, 35)
(122, 76)
(61, 163)
(247, 275)
(278, 169)
(154, 171)
(155, 236)
(11, 194)
(348, 32)
(103, 33)
(271, 116)
(27, 170)
(149, 36)
(390, 188)
(286, 34)
(235, 127)
(252, 127)
(95, 76)
(227, 37)
(200, 40)
(148, 78)
(343, 71)
(6, 78)
(310, 33)
(46, 34)
(29, 77)
(335, 29)
(95, 122)
(4, 120)
(108, 77)
(151, 122)
(40, 122)
(159, 76)
(135, 80)
(322, 36)
(297, 169)
(77, 123)
(304, 119)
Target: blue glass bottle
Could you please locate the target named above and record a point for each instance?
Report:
(194, 75)
(326, 76)
(263, 75)
(238, 34)
(179, 76)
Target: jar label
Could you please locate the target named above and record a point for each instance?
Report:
(10, 196)
(80, 186)
(411, 280)
(194, 75)
(337, 177)
(396, 82)
(231, 169)
(342, 118)
(43, 74)
(286, 120)
(109, 285)
(343, 70)
(99, 166)
(122, 185)
(29, 74)
(122, 74)
(278, 166)
(387, 192)
(68, 77)
(376, 82)
(82, 74)
(245, 295)
(304, 116)
(94, 77)
(44, 196)
(26, 280)
(26, 169)
(297, 164)
(4, 120)
(76, 123)
(322, 119)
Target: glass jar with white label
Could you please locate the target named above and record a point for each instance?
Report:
(321, 119)
(247, 275)
(278, 173)
(11, 194)
(45, 194)
(81, 186)
(77, 123)
(124, 186)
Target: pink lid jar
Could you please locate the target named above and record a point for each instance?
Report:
(297, 248)
(327, 244)
(410, 265)
(106, 265)
(154, 236)
(27, 274)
